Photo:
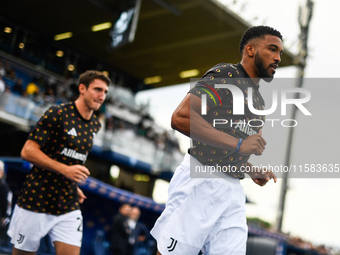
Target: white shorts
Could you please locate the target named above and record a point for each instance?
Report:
(27, 228)
(205, 214)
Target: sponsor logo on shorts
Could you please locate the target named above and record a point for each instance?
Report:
(21, 238)
(173, 244)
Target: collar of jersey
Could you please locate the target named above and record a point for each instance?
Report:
(247, 77)
(79, 115)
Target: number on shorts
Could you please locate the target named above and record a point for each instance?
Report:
(80, 228)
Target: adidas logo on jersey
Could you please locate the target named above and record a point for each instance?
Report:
(72, 132)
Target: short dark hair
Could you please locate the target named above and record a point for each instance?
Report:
(257, 32)
(90, 75)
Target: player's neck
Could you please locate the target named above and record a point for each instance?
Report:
(84, 111)
(249, 67)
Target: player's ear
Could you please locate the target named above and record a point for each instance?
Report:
(82, 88)
(249, 49)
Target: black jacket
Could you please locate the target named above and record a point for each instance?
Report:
(120, 235)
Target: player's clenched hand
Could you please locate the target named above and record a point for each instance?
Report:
(262, 176)
(81, 196)
(77, 173)
(253, 144)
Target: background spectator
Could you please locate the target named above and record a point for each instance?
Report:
(139, 241)
(121, 231)
(2, 84)
(32, 89)
(5, 205)
(18, 88)
(2, 69)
